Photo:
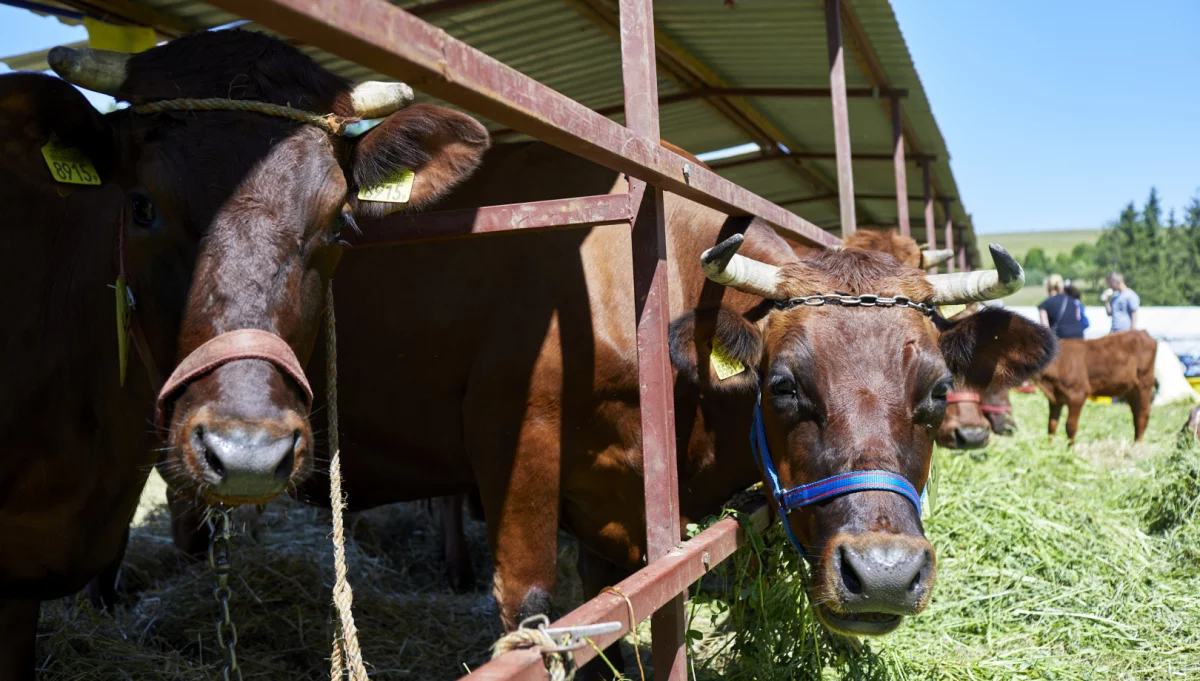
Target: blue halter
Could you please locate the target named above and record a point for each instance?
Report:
(814, 492)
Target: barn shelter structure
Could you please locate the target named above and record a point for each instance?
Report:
(824, 90)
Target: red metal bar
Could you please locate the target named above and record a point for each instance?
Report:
(648, 589)
(389, 40)
(949, 232)
(927, 195)
(900, 170)
(585, 211)
(655, 386)
(841, 115)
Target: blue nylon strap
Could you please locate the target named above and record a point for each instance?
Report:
(821, 490)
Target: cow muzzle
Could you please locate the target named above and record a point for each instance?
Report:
(871, 581)
(243, 435)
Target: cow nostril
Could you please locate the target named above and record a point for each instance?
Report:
(850, 578)
(919, 578)
(210, 457)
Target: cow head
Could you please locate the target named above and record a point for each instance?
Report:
(859, 388)
(233, 220)
(964, 425)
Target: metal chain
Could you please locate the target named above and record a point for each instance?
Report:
(864, 300)
(220, 561)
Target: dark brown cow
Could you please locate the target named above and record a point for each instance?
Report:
(523, 377)
(230, 221)
(1117, 365)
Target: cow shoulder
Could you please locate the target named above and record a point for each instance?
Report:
(739, 349)
(996, 348)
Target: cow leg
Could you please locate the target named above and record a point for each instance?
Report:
(1074, 409)
(596, 573)
(1055, 413)
(18, 634)
(187, 524)
(1139, 401)
(102, 590)
(459, 571)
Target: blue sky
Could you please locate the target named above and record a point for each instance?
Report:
(1056, 112)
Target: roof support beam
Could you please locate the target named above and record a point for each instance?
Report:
(949, 231)
(900, 170)
(841, 115)
(860, 197)
(809, 156)
(129, 12)
(927, 197)
(692, 74)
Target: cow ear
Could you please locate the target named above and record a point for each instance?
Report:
(996, 349)
(716, 349)
(439, 146)
(35, 108)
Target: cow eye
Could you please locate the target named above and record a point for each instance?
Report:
(942, 389)
(144, 214)
(341, 222)
(783, 386)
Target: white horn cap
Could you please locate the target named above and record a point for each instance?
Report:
(935, 257)
(96, 70)
(723, 265)
(377, 99)
(961, 288)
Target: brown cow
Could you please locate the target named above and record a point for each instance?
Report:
(196, 193)
(523, 378)
(1116, 365)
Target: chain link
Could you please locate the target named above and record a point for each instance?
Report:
(864, 300)
(220, 561)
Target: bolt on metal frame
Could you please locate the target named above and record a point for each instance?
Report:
(392, 41)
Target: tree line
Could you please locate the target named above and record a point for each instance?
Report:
(1160, 259)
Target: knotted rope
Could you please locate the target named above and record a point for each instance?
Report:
(330, 123)
(633, 622)
(347, 656)
(531, 635)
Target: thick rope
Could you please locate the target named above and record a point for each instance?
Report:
(529, 635)
(330, 123)
(347, 656)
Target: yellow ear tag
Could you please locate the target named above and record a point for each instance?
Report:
(68, 164)
(723, 363)
(948, 311)
(124, 320)
(395, 188)
(114, 38)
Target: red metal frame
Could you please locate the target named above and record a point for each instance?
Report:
(387, 39)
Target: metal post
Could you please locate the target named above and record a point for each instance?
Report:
(930, 230)
(949, 232)
(962, 258)
(901, 170)
(656, 392)
(841, 115)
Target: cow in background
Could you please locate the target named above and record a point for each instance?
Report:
(1117, 365)
(187, 204)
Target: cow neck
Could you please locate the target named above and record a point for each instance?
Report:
(822, 490)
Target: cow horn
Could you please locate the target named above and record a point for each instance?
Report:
(96, 70)
(935, 257)
(377, 99)
(723, 265)
(961, 288)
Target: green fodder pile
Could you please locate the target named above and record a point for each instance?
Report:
(1052, 564)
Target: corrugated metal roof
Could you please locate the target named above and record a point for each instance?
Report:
(754, 43)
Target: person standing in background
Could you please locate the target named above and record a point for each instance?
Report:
(1073, 291)
(1059, 311)
(1121, 303)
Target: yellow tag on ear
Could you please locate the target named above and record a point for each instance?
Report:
(396, 188)
(127, 39)
(948, 311)
(68, 164)
(124, 320)
(723, 363)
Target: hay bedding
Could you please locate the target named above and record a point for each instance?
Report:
(1051, 565)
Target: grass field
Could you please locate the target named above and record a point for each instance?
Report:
(1052, 242)
(1047, 569)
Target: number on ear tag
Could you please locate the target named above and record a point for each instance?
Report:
(124, 320)
(395, 188)
(68, 164)
(723, 363)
